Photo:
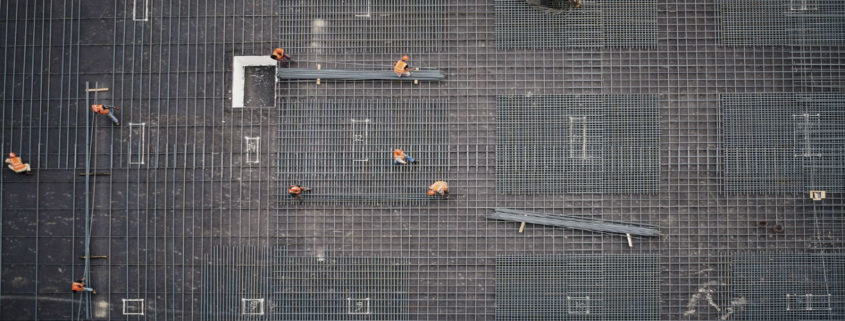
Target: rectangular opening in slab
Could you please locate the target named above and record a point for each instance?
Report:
(259, 86)
(140, 10)
(252, 149)
(133, 306)
(239, 80)
(137, 143)
(358, 305)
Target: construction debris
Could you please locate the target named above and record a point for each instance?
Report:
(574, 222)
(336, 74)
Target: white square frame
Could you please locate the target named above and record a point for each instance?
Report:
(244, 302)
(350, 306)
(579, 305)
(252, 149)
(145, 10)
(141, 308)
(141, 140)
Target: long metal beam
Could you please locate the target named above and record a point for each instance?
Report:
(337, 74)
(574, 222)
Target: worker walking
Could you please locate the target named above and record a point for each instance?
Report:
(439, 188)
(79, 286)
(106, 110)
(17, 165)
(296, 190)
(280, 55)
(402, 68)
(400, 158)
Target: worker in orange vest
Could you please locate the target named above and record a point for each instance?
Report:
(439, 188)
(296, 190)
(280, 55)
(17, 165)
(402, 68)
(79, 286)
(400, 158)
(106, 110)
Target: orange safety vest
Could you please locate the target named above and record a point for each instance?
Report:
(279, 53)
(16, 162)
(398, 154)
(100, 109)
(294, 189)
(439, 187)
(77, 287)
(400, 67)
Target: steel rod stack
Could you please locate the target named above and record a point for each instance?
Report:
(335, 74)
(574, 222)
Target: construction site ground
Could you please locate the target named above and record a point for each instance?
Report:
(695, 119)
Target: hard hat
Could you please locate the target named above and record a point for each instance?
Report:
(397, 151)
(12, 155)
(430, 192)
(405, 58)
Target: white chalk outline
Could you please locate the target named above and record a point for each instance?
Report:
(133, 300)
(243, 306)
(256, 152)
(349, 305)
(142, 146)
(146, 10)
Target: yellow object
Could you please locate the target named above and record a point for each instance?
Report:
(818, 195)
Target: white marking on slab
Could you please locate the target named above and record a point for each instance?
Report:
(140, 10)
(253, 146)
(137, 143)
(133, 306)
(252, 306)
(101, 309)
(318, 31)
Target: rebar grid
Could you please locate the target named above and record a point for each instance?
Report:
(598, 287)
(341, 288)
(783, 22)
(789, 286)
(577, 144)
(596, 23)
(784, 142)
(343, 149)
(171, 72)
